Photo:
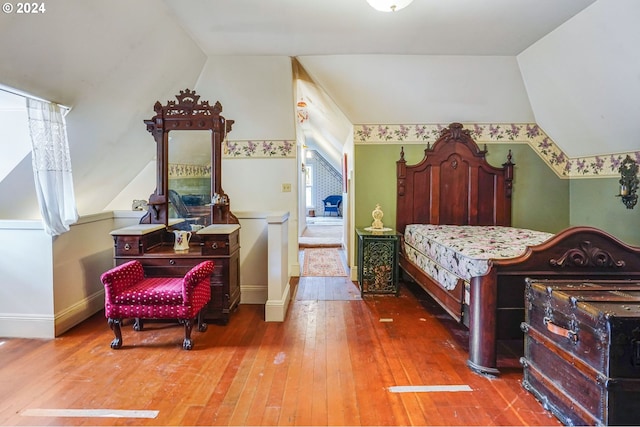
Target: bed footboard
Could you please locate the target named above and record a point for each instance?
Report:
(577, 253)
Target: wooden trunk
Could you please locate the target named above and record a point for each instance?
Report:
(582, 350)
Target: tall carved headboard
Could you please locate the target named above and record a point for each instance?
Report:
(453, 184)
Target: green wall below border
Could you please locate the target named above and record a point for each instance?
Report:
(540, 198)
(594, 203)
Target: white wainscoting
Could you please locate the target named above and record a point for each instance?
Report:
(50, 284)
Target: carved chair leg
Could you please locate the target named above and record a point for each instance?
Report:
(114, 324)
(188, 325)
(202, 324)
(137, 324)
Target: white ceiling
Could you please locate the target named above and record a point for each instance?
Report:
(331, 27)
(570, 66)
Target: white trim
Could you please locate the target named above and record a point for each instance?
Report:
(276, 310)
(79, 312)
(17, 325)
(253, 294)
(27, 95)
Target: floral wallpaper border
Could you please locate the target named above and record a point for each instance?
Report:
(179, 170)
(529, 133)
(259, 149)
(238, 150)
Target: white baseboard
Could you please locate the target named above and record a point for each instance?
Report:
(253, 294)
(27, 326)
(276, 310)
(79, 312)
(295, 270)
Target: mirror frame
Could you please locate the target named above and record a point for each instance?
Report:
(187, 113)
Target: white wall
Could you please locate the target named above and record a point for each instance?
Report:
(256, 237)
(50, 284)
(255, 185)
(80, 256)
(583, 82)
(140, 187)
(256, 92)
(26, 283)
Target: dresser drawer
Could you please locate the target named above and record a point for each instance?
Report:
(220, 243)
(219, 246)
(167, 266)
(128, 245)
(154, 250)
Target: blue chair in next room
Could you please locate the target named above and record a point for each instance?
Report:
(332, 204)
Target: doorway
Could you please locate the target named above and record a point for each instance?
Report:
(324, 227)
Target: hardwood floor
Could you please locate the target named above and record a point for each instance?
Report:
(332, 362)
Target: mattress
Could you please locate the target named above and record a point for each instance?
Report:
(449, 253)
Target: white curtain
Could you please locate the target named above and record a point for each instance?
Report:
(51, 166)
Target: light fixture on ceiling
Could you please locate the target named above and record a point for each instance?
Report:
(389, 5)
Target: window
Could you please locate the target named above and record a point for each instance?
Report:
(15, 140)
(15, 137)
(310, 193)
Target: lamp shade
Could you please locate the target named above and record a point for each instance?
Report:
(389, 5)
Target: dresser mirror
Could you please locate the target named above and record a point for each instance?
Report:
(190, 176)
(189, 134)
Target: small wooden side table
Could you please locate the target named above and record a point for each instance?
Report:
(378, 269)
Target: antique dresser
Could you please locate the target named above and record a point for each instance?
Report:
(153, 246)
(582, 350)
(189, 134)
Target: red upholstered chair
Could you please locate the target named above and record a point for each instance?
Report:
(129, 294)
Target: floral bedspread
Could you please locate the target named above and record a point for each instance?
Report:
(451, 252)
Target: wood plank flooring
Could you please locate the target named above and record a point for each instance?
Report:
(330, 363)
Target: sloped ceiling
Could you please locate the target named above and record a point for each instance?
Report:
(572, 66)
(108, 61)
(339, 27)
(583, 80)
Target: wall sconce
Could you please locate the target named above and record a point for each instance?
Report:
(629, 182)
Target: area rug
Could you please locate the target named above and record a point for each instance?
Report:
(322, 262)
(321, 236)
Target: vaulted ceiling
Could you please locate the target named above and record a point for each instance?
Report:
(572, 66)
(352, 27)
(577, 60)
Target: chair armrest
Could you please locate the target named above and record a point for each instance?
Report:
(195, 276)
(121, 278)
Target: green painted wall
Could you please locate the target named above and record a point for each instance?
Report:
(594, 203)
(540, 198)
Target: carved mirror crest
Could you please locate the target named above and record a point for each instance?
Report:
(189, 134)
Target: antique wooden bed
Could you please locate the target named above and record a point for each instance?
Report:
(455, 185)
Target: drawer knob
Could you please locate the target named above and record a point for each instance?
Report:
(172, 262)
(214, 245)
(127, 246)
